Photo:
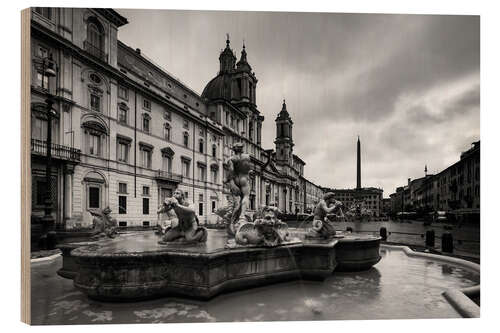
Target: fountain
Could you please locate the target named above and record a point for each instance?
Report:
(189, 260)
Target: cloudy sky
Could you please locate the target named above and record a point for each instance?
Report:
(408, 85)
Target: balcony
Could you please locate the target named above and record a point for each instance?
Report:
(39, 147)
(95, 51)
(168, 176)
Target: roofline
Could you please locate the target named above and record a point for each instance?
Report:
(164, 71)
(113, 16)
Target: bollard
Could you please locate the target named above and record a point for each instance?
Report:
(447, 242)
(430, 237)
(383, 233)
(348, 229)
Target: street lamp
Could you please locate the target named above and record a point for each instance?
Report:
(49, 69)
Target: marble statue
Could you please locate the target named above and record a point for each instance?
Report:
(321, 226)
(182, 224)
(239, 167)
(266, 230)
(104, 223)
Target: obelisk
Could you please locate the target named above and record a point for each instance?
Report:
(358, 178)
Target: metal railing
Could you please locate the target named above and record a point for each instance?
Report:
(165, 175)
(39, 147)
(95, 51)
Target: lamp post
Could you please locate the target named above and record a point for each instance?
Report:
(49, 69)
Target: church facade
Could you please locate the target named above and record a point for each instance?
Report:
(127, 133)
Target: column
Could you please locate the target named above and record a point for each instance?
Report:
(68, 192)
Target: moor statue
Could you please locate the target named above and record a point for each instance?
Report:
(182, 224)
(266, 230)
(321, 226)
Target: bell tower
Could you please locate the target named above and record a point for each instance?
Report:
(284, 139)
(227, 59)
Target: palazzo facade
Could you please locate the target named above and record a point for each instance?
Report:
(127, 133)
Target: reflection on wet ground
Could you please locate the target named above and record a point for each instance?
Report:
(397, 287)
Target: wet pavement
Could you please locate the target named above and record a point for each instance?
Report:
(397, 287)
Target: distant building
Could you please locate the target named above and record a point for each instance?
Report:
(370, 197)
(455, 189)
(386, 206)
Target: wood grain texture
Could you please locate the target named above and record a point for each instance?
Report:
(25, 167)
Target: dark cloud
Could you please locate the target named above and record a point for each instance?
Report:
(408, 84)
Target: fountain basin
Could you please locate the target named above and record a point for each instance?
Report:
(136, 267)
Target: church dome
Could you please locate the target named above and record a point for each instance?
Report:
(218, 88)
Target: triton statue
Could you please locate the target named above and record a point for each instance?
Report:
(182, 224)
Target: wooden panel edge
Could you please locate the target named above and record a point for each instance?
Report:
(25, 166)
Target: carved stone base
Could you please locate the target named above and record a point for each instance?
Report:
(136, 267)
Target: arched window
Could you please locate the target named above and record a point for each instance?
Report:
(214, 150)
(200, 146)
(95, 136)
(166, 129)
(95, 38)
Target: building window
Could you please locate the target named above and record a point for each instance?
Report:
(145, 123)
(167, 130)
(145, 206)
(122, 188)
(214, 206)
(42, 81)
(94, 136)
(214, 150)
(145, 157)
(123, 92)
(95, 35)
(185, 124)
(214, 175)
(167, 164)
(200, 146)
(200, 205)
(122, 115)
(185, 168)
(122, 150)
(94, 146)
(122, 204)
(45, 12)
(146, 104)
(94, 197)
(202, 174)
(145, 190)
(39, 129)
(95, 102)
(186, 139)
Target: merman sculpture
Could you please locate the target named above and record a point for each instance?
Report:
(182, 222)
(239, 166)
(104, 224)
(321, 226)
